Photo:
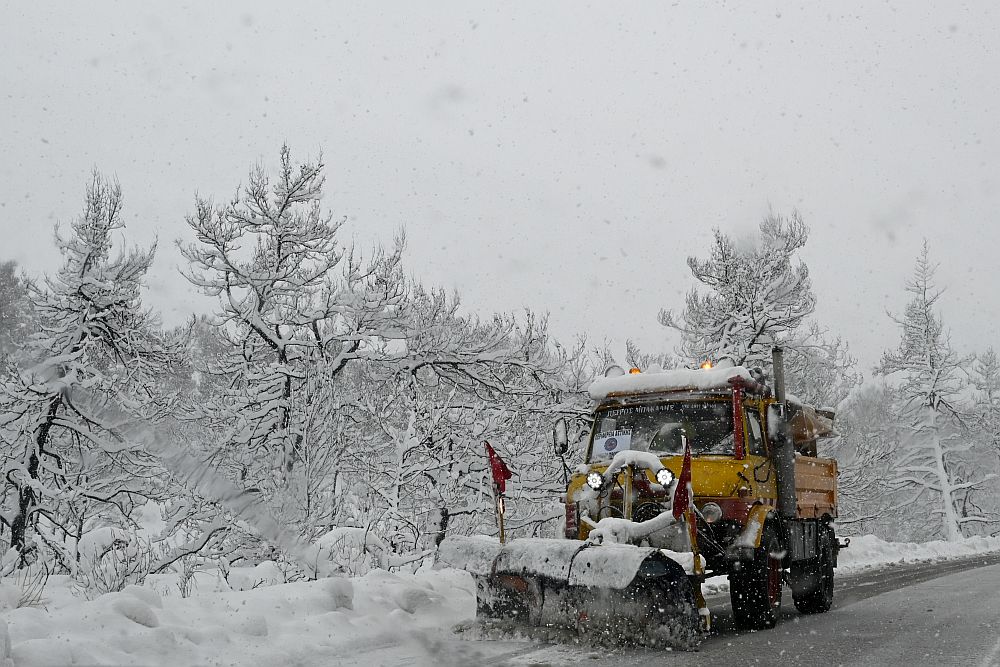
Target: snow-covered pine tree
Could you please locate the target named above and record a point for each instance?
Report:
(819, 369)
(986, 379)
(759, 296)
(64, 466)
(930, 467)
(865, 447)
(756, 296)
(15, 307)
(985, 375)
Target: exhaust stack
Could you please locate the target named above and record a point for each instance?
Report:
(784, 451)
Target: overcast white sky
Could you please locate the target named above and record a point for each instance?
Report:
(565, 157)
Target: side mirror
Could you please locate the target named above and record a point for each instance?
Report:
(560, 439)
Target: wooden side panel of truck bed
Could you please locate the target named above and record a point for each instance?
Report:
(815, 486)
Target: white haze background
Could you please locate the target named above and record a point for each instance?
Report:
(564, 157)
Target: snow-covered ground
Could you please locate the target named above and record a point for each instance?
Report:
(321, 622)
(869, 551)
(325, 622)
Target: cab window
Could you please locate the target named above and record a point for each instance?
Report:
(755, 433)
(706, 425)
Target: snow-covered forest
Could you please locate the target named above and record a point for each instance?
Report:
(330, 413)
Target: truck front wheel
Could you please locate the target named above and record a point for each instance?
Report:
(755, 587)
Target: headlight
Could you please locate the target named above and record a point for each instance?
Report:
(664, 477)
(711, 512)
(595, 480)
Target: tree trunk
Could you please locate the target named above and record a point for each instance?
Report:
(442, 526)
(26, 497)
(952, 529)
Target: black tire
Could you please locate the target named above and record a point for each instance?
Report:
(820, 599)
(755, 588)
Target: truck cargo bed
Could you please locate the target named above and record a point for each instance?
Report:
(815, 487)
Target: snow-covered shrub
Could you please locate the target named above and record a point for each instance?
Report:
(268, 573)
(185, 578)
(25, 587)
(110, 561)
(351, 550)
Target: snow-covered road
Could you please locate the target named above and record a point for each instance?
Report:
(931, 614)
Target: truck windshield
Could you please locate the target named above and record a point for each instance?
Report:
(708, 426)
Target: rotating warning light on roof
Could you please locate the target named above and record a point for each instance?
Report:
(707, 364)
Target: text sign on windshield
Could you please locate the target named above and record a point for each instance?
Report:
(612, 442)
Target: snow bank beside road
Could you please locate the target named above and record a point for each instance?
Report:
(326, 622)
(868, 551)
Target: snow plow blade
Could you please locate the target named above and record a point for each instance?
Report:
(617, 594)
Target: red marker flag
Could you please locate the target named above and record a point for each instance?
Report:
(683, 494)
(500, 472)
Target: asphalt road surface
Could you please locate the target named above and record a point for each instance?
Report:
(931, 614)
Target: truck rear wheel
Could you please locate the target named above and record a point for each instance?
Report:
(820, 599)
(755, 588)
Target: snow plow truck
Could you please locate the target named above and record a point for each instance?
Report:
(689, 473)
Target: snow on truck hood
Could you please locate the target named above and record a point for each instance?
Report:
(671, 380)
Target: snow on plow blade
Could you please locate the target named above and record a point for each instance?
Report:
(619, 594)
